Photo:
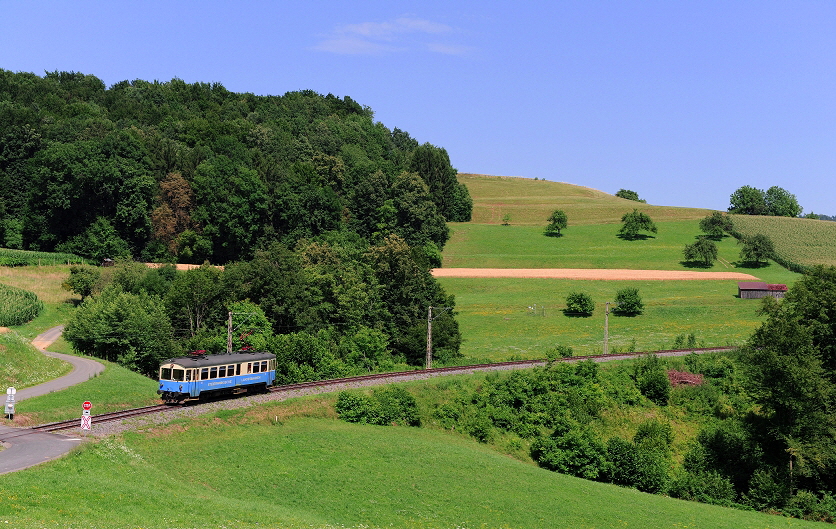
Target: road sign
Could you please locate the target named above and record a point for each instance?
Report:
(9, 408)
(86, 422)
(11, 391)
(87, 405)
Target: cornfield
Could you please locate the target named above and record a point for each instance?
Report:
(805, 242)
(9, 257)
(18, 306)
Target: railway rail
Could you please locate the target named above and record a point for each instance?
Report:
(359, 380)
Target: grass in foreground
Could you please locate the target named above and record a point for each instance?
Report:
(238, 469)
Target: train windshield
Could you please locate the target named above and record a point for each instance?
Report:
(178, 375)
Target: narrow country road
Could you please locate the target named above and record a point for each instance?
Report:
(25, 448)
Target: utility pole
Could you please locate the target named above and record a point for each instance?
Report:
(229, 334)
(607, 326)
(429, 362)
(229, 328)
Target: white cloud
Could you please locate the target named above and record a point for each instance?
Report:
(398, 35)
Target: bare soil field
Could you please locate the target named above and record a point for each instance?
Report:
(589, 273)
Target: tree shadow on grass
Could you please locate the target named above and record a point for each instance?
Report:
(751, 264)
(552, 234)
(696, 264)
(569, 314)
(637, 237)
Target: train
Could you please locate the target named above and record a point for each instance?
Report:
(202, 376)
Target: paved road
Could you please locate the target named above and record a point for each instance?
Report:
(83, 368)
(25, 448)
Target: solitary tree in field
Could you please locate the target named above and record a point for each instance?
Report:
(557, 221)
(579, 303)
(716, 225)
(756, 248)
(628, 302)
(634, 223)
(703, 251)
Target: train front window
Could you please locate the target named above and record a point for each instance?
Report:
(165, 373)
(177, 375)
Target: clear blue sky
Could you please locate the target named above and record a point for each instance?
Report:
(678, 100)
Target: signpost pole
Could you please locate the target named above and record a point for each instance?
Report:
(10, 403)
(86, 421)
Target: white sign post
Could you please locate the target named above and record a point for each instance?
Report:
(9, 409)
(86, 420)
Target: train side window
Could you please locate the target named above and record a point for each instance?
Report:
(237, 369)
(204, 373)
(213, 372)
(189, 375)
(222, 371)
(264, 366)
(249, 367)
(256, 367)
(165, 374)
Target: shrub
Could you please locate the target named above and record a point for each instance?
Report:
(579, 303)
(705, 487)
(652, 379)
(629, 302)
(573, 450)
(392, 405)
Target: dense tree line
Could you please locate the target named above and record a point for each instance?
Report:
(331, 307)
(328, 222)
(185, 172)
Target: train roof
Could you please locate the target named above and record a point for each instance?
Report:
(205, 360)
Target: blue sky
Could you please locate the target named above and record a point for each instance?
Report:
(681, 101)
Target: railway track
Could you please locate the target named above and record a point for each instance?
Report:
(360, 380)
(103, 417)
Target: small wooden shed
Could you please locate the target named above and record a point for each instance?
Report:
(759, 289)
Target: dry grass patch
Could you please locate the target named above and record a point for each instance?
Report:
(529, 202)
(44, 281)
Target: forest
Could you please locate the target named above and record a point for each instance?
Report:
(327, 222)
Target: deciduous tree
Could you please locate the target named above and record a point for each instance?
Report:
(635, 222)
(703, 251)
(557, 221)
(716, 225)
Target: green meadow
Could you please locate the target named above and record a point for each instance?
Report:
(498, 317)
(589, 246)
(506, 319)
(288, 465)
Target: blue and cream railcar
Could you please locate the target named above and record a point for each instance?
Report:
(201, 375)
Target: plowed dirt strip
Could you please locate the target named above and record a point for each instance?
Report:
(588, 273)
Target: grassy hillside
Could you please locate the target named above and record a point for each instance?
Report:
(494, 314)
(803, 241)
(584, 246)
(288, 465)
(529, 202)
